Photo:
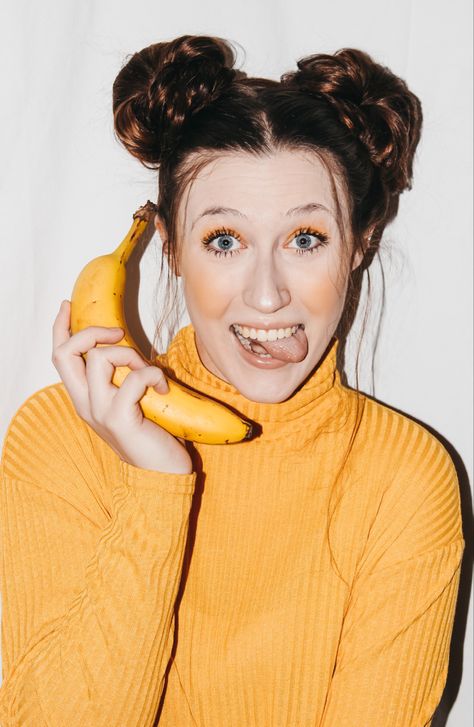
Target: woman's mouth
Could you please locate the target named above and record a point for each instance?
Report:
(251, 344)
(290, 346)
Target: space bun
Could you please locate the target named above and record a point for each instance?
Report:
(162, 86)
(372, 102)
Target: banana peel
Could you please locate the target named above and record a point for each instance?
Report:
(97, 299)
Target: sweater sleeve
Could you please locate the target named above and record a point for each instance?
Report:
(92, 552)
(393, 653)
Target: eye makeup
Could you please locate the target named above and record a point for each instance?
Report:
(229, 232)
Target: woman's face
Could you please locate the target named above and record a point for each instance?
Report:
(264, 266)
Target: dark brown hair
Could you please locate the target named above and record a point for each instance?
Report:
(180, 104)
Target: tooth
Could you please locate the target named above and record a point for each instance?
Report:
(260, 334)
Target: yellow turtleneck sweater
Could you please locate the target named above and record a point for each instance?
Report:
(257, 591)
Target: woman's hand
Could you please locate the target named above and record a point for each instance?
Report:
(113, 412)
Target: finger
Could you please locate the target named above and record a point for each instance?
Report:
(61, 325)
(68, 360)
(133, 388)
(101, 364)
(83, 340)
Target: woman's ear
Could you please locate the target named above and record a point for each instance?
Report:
(160, 228)
(359, 256)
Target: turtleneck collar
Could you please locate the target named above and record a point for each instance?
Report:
(315, 402)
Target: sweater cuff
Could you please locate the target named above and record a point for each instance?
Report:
(144, 479)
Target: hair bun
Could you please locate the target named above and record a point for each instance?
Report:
(162, 86)
(374, 103)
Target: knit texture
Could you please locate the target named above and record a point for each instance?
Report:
(306, 578)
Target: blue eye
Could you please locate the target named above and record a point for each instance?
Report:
(306, 233)
(214, 235)
(227, 234)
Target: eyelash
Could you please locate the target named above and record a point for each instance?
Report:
(225, 231)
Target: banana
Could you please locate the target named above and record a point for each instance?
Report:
(97, 300)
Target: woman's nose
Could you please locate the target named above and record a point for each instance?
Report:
(266, 288)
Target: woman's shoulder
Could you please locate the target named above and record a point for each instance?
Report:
(410, 469)
(48, 444)
(52, 401)
(397, 437)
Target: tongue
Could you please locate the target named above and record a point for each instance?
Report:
(292, 349)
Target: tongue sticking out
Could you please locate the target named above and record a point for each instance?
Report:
(292, 349)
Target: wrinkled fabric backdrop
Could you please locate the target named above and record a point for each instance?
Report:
(68, 191)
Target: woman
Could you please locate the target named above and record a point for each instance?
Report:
(306, 577)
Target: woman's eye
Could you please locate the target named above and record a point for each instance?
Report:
(224, 239)
(305, 235)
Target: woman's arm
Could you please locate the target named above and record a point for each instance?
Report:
(393, 655)
(90, 570)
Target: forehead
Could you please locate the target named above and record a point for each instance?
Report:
(263, 186)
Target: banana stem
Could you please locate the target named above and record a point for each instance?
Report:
(141, 219)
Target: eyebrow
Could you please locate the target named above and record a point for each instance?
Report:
(293, 211)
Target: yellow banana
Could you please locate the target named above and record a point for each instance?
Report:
(97, 300)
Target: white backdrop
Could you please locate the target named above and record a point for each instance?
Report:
(68, 191)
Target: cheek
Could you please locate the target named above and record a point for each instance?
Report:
(323, 290)
(207, 289)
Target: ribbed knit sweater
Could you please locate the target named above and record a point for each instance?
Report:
(305, 578)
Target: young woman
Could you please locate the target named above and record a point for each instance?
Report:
(307, 577)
